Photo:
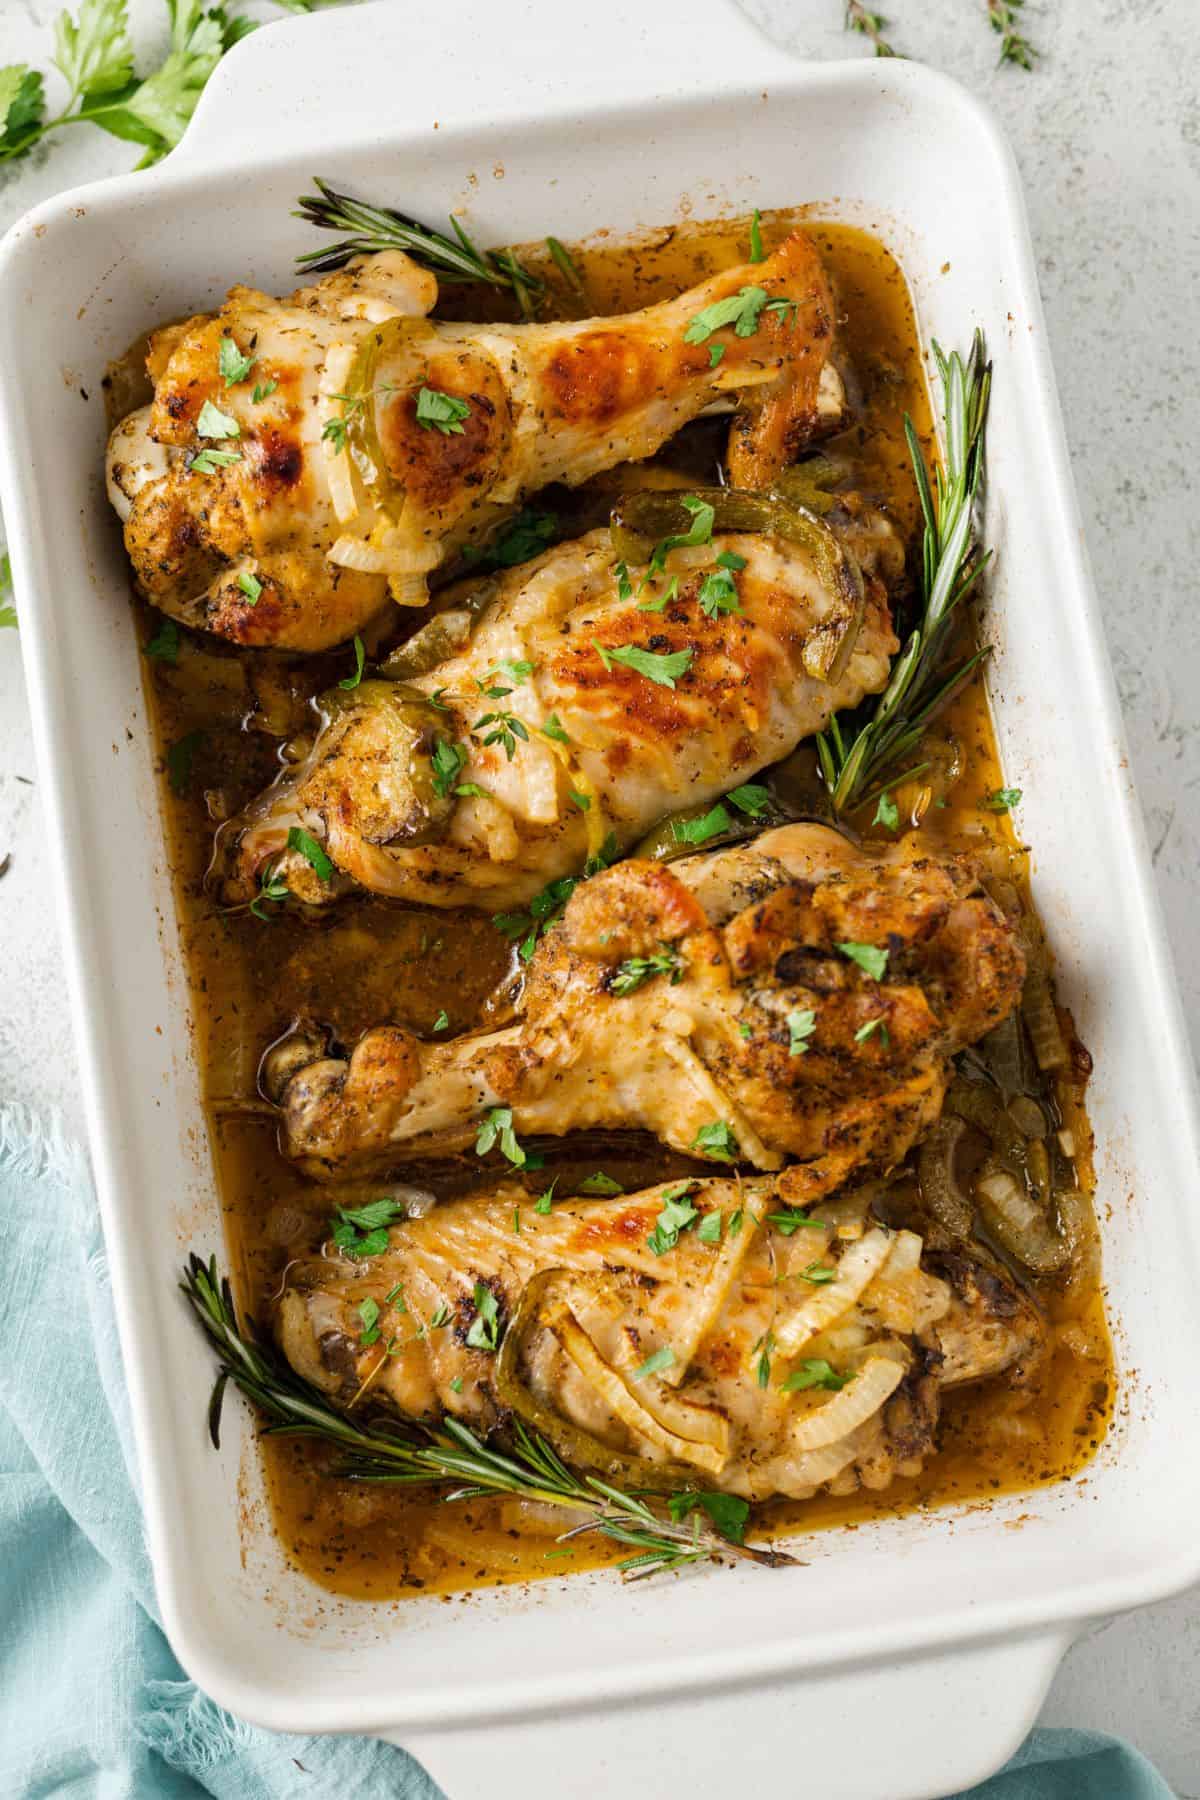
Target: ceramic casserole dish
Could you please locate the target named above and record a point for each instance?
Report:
(905, 1657)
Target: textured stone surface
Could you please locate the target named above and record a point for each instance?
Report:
(1107, 131)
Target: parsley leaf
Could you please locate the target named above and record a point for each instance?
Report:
(496, 1126)
(801, 1026)
(94, 54)
(525, 536)
(311, 851)
(361, 1231)
(635, 971)
(447, 762)
(233, 366)
(207, 461)
(213, 423)
(873, 1025)
(360, 656)
(368, 1314)
(794, 1219)
(716, 1141)
(545, 1201)
(441, 412)
(741, 310)
(660, 669)
(484, 1333)
(662, 1359)
(814, 1373)
(870, 959)
(659, 602)
(441, 1023)
(887, 813)
(818, 1274)
(676, 1215)
(751, 799)
(251, 586)
(715, 353)
(699, 532)
(1002, 800)
(599, 1183)
(263, 391)
(765, 1347)
(549, 904)
(164, 645)
(757, 253)
(698, 831)
(728, 1512)
(22, 107)
(718, 594)
(709, 1230)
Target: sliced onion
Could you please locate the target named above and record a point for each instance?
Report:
(857, 1267)
(335, 374)
(625, 1406)
(844, 1412)
(1016, 1222)
(939, 1186)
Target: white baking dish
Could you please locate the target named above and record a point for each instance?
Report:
(948, 1627)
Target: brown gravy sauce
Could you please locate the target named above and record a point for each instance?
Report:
(370, 961)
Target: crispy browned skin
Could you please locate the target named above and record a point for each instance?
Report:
(720, 1037)
(586, 1294)
(545, 403)
(632, 747)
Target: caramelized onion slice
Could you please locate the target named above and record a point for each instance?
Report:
(875, 1383)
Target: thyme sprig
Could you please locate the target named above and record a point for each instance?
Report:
(1015, 47)
(870, 25)
(451, 1456)
(853, 761)
(371, 228)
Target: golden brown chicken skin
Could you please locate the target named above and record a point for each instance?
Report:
(797, 998)
(283, 507)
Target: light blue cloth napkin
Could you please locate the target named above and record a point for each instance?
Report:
(92, 1702)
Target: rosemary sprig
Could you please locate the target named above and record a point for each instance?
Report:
(852, 763)
(449, 1455)
(870, 25)
(371, 228)
(1015, 47)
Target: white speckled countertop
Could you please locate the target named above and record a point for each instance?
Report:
(1107, 132)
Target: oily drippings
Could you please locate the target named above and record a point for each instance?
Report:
(219, 717)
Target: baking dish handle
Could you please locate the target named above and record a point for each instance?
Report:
(911, 1729)
(464, 61)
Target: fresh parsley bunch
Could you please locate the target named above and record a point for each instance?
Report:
(94, 54)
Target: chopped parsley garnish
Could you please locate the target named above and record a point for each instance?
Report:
(441, 1317)
(525, 536)
(334, 432)
(518, 672)
(786, 309)
(676, 1215)
(794, 1219)
(311, 851)
(553, 729)
(624, 585)
(887, 813)
(801, 1026)
(360, 656)
(441, 1023)
(741, 310)
(164, 645)
(263, 391)
(456, 1385)
(765, 1347)
(517, 1220)
(728, 1512)
(818, 1274)
(659, 602)
(441, 412)
(599, 1183)
(251, 586)
(815, 1373)
(501, 728)
(745, 1029)
(700, 531)
(653, 1365)
(179, 761)
(698, 831)
(447, 762)
(872, 1025)
(709, 1228)
(736, 1220)
(716, 1141)
(718, 594)
(368, 1314)
(582, 801)
(546, 907)
(751, 799)
(234, 367)
(207, 462)
(360, 1231)
(757, 253)
(715, 353)
(635, 971)
(484, 1333)
(270, 887)
(870, 959)
(662, 669)
(1002, 800)
(545, 1201)
(496, 1127)
(213, 423)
